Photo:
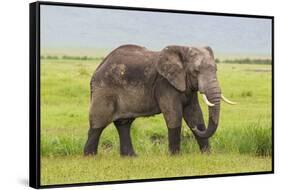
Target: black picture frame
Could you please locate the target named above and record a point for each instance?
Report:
(34, 91)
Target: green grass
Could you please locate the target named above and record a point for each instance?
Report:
(241, 144)
(108, 166)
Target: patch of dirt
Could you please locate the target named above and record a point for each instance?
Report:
(157, 138)
(107, 145)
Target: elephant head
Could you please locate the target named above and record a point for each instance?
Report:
(191, 69)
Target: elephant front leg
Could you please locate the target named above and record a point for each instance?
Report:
(204, 144)
(174, 139)
(173, 119)
(193, 116)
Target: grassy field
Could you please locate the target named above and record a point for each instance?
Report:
(241, 144)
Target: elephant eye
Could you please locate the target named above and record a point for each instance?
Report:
(195, 72)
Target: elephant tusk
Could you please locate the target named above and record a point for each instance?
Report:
(227, 101)
(207, 101)
(195, 129)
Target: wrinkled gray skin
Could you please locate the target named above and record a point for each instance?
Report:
(135, 82)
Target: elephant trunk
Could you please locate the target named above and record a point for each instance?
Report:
(213, 95)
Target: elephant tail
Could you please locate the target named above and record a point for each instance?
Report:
(92, 87)
(93, 76)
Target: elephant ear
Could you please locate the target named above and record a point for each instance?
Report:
(170, 66)
(209, 49)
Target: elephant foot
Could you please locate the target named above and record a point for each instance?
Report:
(127, 151)
(87, 153)
(174, 151)
(131, 154)
(90, 150)
(206, 152)
(206, 149)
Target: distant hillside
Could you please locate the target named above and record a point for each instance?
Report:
(99, 54)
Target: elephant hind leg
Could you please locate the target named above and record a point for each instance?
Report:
(123, 127)
(100, 116)
(91, 146)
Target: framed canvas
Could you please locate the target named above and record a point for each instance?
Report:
(126, 94)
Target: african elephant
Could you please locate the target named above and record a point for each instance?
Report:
(133, 81)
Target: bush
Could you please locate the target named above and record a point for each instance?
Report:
(247, 94)
(248, 61)
(83, 72)
(52, 57)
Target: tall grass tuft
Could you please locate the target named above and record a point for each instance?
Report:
(63, 146)
(83, 71)
(256, 139)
